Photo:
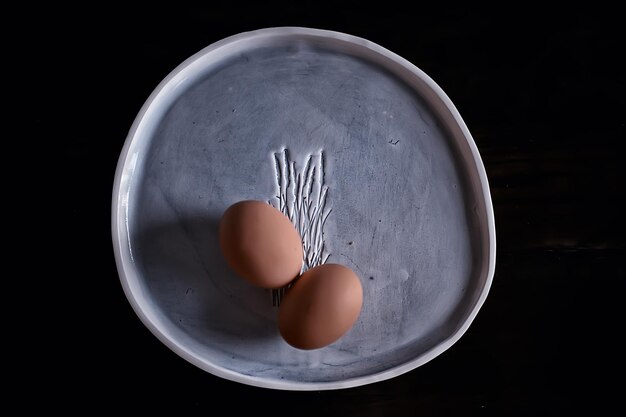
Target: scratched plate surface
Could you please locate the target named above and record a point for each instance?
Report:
(350, 142)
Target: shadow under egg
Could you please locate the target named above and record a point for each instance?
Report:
(191, 284)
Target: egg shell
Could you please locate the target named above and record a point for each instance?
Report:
(320, 307)
(260, 244)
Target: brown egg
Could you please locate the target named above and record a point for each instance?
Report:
(260, 244)
(322, 305)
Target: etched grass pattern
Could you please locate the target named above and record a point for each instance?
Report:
(302, 198)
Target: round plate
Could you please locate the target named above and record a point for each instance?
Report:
(361, 149)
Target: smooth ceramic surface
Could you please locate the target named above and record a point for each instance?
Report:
(360, 148)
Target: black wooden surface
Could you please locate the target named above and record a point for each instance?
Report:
(541, 91)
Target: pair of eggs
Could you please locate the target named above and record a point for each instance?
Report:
(262, 246)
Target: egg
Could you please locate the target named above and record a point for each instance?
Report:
(260, 244)
(320, 307)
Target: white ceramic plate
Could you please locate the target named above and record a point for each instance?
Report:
(384, 157)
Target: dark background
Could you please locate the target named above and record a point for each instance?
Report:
(543, 93)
